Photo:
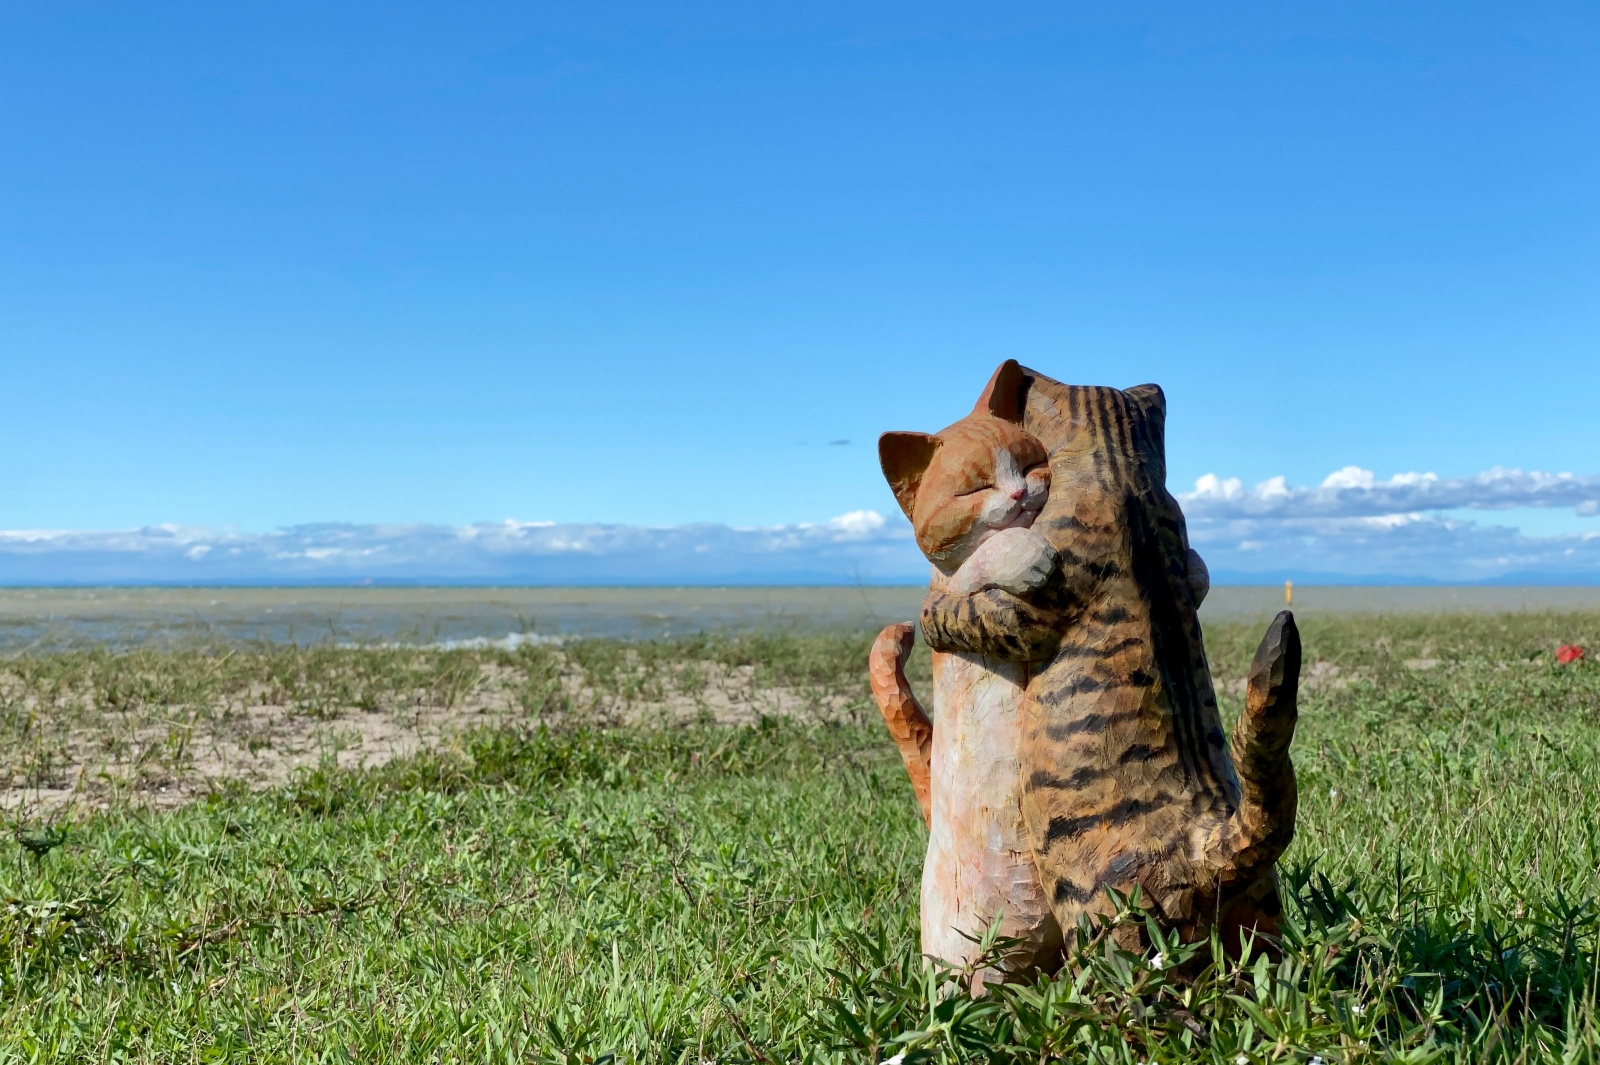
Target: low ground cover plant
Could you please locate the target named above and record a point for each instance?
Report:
(580, 883)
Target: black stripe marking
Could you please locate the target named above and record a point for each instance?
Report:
(1064, 522)
(1086, 685)
(1102, 430)
(1103, 570)
(1117, 416)
(1088, 724)
(1066, 891)
(1070, 557)
(1111, 615)
(1174, 652)
(1097, 652)
(1064, 828)
(1080, 779)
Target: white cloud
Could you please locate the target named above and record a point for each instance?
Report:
(1347, 477)
(1273, 488)
(1354, 525)
(1212, 488)
(858, 524)
(1396, 547)
(1353, 491)
(859, 545)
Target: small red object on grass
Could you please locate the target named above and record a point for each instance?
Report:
(1568, 653)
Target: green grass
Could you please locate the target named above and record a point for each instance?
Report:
(551, 889)
(158, 724)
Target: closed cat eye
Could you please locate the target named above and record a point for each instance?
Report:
(974, 491)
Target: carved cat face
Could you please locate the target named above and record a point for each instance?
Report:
(966, 482)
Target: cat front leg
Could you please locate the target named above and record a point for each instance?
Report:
(1018, 561)
(993, 622)
(1199, 577)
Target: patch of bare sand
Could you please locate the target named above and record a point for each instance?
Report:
(164, 760)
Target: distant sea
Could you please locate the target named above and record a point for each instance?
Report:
(58, 618)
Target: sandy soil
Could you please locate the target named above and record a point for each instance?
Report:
(167, 758)
(73, 744)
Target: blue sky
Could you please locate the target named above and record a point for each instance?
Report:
(405, 266)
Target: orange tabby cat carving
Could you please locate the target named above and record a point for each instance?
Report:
(972, 491)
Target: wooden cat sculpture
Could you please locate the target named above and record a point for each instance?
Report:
(972, 491)
(1124, 777)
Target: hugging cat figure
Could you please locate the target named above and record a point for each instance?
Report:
(971, 491)
(1127, 780)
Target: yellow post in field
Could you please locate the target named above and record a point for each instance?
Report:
(1288, 593)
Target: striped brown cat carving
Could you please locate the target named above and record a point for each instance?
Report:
(1126, 776)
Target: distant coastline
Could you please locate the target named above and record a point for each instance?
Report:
(39, 617)
(1301, 580)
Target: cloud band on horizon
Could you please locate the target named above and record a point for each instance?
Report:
(1351, 527)
(1355, 492)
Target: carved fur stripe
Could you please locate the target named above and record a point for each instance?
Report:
(1080, 778)
(1088, 724)
(1061, 829)
(1091, 650)
(1066, 891)
(1085, 685)
(1111, 615)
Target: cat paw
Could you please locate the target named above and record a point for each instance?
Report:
(1199, 577)
(1015, 560)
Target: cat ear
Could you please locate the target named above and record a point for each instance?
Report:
(1151, 399)
(1003, 396)
(1153, 402)
(904, 458)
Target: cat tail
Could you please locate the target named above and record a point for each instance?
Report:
(909, 727)
(1260, 829)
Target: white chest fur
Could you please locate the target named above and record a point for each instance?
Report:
(979, 863)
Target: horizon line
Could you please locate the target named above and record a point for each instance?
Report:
(1312, 581)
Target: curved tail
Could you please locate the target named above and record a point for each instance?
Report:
(909, 727)
(1261, 828)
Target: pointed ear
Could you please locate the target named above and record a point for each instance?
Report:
(1151, 400)
(904, 458)
(1153, 403)
(1004, 395)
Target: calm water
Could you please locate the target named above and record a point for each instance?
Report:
(43, 618)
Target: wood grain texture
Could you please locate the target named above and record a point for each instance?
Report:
(1128, 778)
(979, 867)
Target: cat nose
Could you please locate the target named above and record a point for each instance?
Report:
(1018, 493)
